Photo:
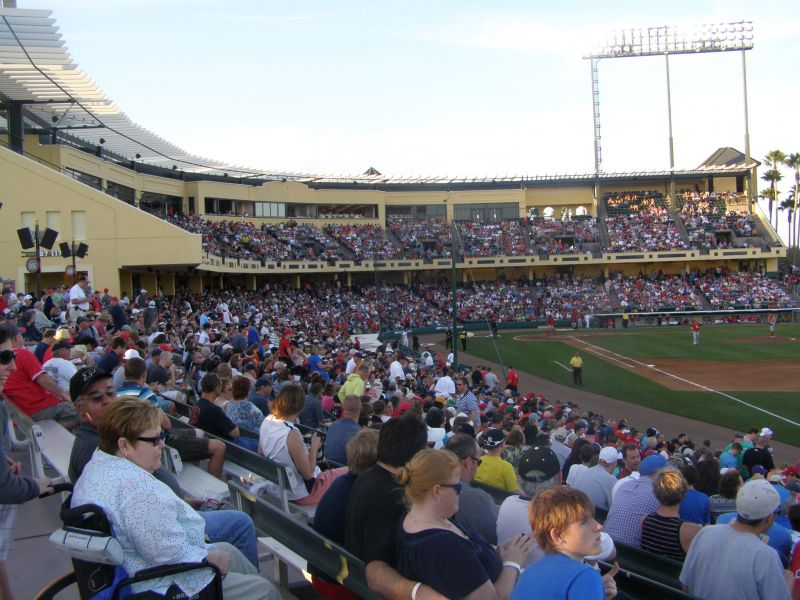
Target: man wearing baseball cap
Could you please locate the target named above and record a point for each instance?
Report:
(633, 501)
(731, 560)
(597, 482)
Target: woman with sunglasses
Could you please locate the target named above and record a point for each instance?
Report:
(15, 488)
(152, 524)
(432, 550)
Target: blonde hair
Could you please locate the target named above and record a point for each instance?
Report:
(362, 451)
(669, 487)
(126, 417)
(290, 401)
(427, 469)
(556, 509)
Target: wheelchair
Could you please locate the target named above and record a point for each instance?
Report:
(86, 536)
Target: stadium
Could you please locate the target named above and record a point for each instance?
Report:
(526, 271)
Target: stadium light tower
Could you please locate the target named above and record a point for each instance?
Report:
(664, 41)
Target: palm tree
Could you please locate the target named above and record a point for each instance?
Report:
(789, 205)
(773, 175)
(793, 162)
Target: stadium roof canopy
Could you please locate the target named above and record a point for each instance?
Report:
(58, 98)
(727, 158)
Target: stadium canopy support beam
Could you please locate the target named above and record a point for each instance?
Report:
(16, 127)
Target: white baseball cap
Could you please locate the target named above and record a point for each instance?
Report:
(757, 499)
(609, 455)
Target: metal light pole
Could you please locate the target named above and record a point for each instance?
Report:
(454, 303)
(664, 41)
(38, 246)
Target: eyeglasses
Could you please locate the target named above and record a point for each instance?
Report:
(98, 396)
(478, 461)
(454, 486)
(6, 356)
(155, 440)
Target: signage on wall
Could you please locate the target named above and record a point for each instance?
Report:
(32, 265)
(44, 253)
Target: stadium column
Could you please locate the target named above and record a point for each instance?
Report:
(196, 284)
(250, 283)
(166, 282)
(125, 283)
(148, 281)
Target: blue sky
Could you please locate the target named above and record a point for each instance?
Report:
(434, 88)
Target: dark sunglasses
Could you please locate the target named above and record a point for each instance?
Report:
(98, 396)
(454, 486)
(478, 461)
(6, 356)
(162, 437)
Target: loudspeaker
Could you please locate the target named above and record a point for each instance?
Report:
(48, 238)
(81, 251)
(66, 251)
(25, 238)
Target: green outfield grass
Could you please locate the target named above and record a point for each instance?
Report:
(608, 379)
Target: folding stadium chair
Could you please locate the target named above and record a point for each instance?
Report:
(96, 555)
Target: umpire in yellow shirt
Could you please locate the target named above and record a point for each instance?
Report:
(576, 362)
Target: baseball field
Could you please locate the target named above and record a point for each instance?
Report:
(737, 376)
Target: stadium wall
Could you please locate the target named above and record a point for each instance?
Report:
(130, 247)
(119, 236)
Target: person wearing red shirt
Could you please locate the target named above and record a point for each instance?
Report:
(512, 379)
(33, 390)
(695, 332)
(285, 348)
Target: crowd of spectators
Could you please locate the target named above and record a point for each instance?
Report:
(303, 242)
(635, 222)
(641, 222)
(562, 236)
(726, 289)
(366, 242)
(562, 297)
(651, 294)
(506, 238)
(282, 338)
(422, 237)
(709, 222)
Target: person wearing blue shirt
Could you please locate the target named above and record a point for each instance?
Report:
(340, 431)
(562, 520)
(730, 459)
(313, 415)
(777, 537)
(695, 506)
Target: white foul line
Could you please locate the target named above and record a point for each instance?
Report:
(605, 354)
(562, 366)
(702, 387)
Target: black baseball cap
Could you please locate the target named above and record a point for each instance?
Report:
(538, 464)
(83, 379)
(492, 438)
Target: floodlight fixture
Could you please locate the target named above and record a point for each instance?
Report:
(664, 41)
(670, 39)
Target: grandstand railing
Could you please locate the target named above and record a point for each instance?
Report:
(219, 264)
